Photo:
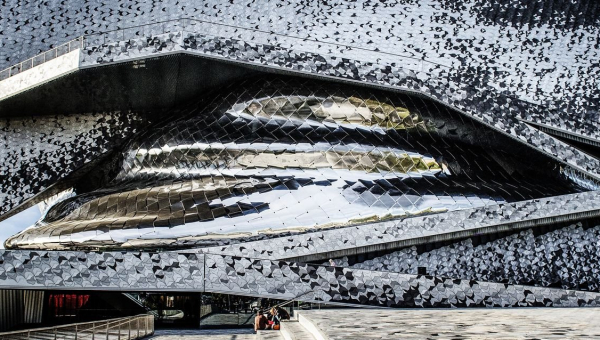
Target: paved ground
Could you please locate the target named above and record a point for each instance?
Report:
(199, 334)
(522, 323)
(295, 331)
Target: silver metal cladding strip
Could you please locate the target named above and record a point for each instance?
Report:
(416, 230)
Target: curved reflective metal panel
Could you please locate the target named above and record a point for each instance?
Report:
(273, 155)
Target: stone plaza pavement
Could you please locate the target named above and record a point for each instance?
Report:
(523, 323)
(455, 324)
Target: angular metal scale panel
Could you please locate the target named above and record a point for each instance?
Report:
(167, 160)
(272, 155)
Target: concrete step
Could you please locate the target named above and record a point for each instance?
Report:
(269, 335)
(311, 327)
(294, 330)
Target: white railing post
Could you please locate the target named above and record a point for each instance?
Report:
(75, 331)
(107, 331)
(129, 330)
(93, 330)
(138, 326)
(54, 333)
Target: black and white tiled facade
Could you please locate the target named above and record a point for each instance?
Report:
(541, 50)
(365, 72)
(501, 62)
(266, 278)
(108, 270)
(38, 151)
(471, 80)
(567, 257)
(444, 84)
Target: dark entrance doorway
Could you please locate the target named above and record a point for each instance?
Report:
(73, 307)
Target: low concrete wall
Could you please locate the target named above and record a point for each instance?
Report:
(317, 333)
(40, 74)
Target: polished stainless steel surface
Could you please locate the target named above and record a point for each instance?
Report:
(272, 155)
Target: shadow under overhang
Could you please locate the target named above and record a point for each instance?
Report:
(146, 85)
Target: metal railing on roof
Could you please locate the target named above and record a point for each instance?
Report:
(217, 29)
(42, 58)
(128, 328)
(174, 25)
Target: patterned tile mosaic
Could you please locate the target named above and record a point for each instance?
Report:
(343, 285)
(266, 278)
(446, 85)
(274, 155)
(469, 74)
(137, 271)
(300, 156)
(567, 258)
(38, 151)
(542, 50)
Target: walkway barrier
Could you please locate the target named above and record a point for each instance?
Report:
(128, 328)
(42, 58)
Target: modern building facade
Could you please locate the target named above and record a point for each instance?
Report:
(429, 154)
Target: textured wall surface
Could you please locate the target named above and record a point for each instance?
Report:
(498, 117)
(476, 55)
(496, 218)
(252, 157)
(474, 51)
(110, 270)
(470, 93)
(566, 257)
(167, 271)
(38, 151)
(538, 50)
